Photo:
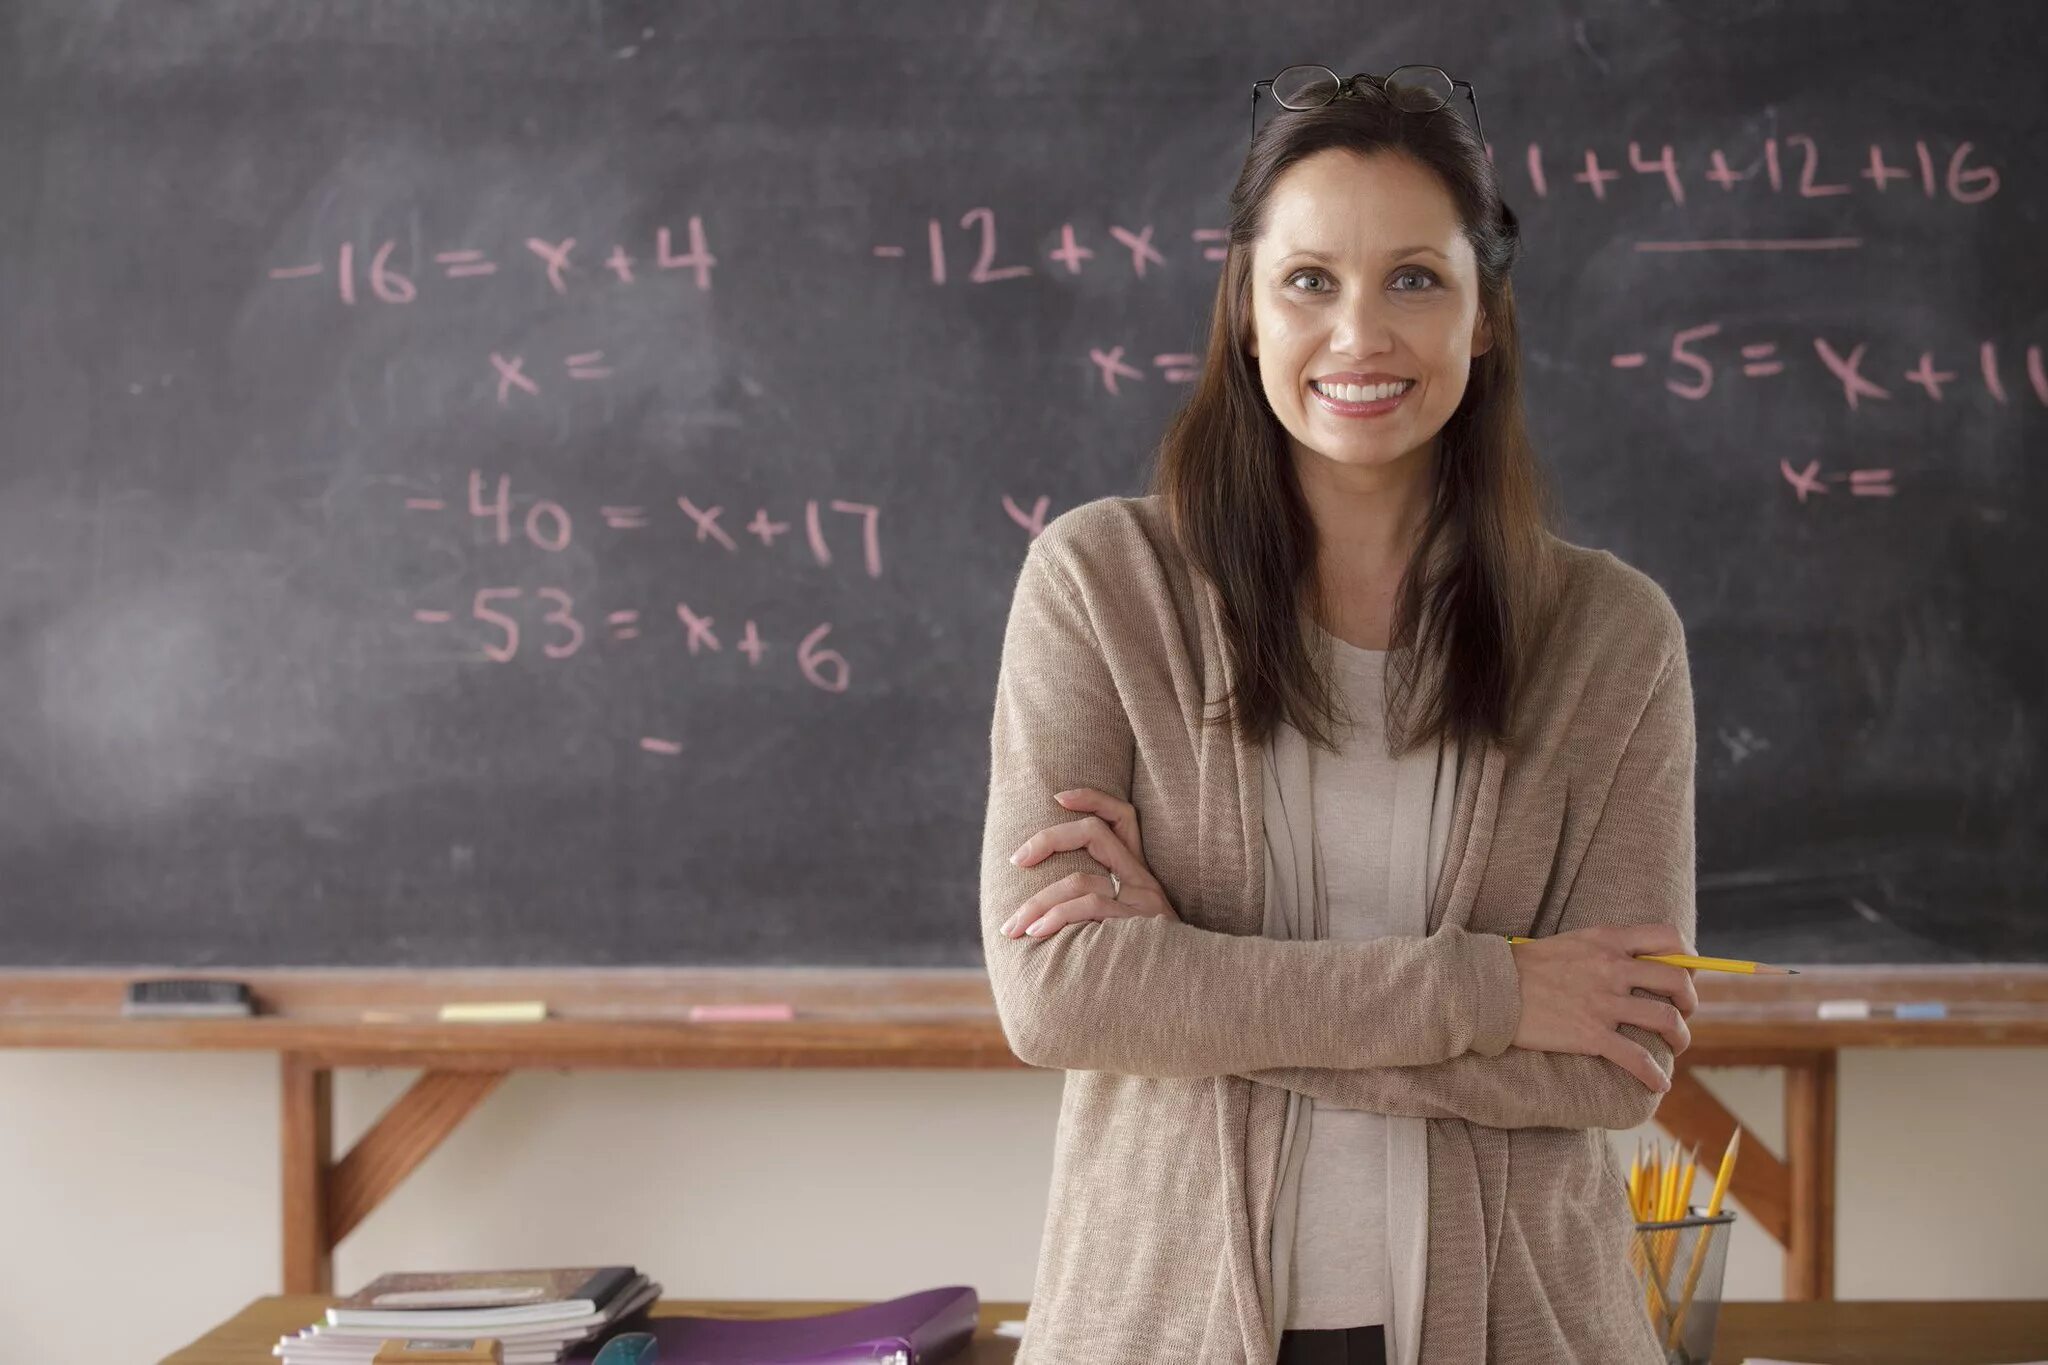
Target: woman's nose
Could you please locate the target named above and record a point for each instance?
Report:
(1362, 329)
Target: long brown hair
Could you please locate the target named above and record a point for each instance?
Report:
(1478, 590)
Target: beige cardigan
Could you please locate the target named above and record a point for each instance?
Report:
(1182, 1038)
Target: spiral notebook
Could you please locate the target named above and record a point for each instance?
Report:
(917, 1329)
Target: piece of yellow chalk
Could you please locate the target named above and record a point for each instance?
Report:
(495, 1012)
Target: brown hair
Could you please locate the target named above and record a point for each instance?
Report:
(1479, 588)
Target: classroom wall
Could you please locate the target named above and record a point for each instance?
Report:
(154, 1178)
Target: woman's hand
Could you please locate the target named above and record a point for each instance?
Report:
(1110, 834)
(1575, 994)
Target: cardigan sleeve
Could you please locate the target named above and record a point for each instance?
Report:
(1637, 868)
(1154, 996)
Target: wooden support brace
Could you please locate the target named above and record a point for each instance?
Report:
(324, 1200)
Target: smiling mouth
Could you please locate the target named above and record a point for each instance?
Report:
(1362, 393)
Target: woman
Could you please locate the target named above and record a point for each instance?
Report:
(1371, 717)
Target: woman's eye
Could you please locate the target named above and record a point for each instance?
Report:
(1308, 274)
(1415, 272)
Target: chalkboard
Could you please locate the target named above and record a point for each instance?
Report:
(501, 482)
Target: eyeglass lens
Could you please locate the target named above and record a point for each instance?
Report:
(1414, 89)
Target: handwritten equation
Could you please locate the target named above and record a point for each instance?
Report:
(1697, 364)
(547, 525)
(823, 668)
(554, 259)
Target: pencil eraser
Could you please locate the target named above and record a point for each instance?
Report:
(1845, 1009)
(1921, 1009)
(495, 1012)
(744, 1013)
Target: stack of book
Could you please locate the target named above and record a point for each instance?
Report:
(536, 1314)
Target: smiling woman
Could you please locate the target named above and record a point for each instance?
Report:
(1281, 755)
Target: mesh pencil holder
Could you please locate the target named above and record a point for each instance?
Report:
(1679, 1264)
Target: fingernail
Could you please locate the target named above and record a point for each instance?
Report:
(1037, 928)
(1006, 925)
(1018, 857)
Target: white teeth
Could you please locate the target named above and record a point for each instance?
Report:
(1362, 393)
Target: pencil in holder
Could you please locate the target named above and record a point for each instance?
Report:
(1679, 1264)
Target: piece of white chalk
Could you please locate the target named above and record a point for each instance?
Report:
(1845, 1009)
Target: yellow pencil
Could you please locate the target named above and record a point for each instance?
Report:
(1699, 1250)
(1704, 964)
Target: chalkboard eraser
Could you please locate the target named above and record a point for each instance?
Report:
(1845, 1009)
(1920, 1009)
(494, 1012)
(700, 1014)
(187, 998)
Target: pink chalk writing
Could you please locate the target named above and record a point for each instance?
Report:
(1960, 179)
(1111, 363)
(1176, 367)
(1808, 481)
(751, 646)
(556, 254)
(707, 523)
(816, 662)
(699, 628)
(547, 524)
(1069, 252)
(1035, 522)
(462, 265)
(765, 530)
(496, 610)
(511, 374)
(1140, 246)
(555, 258)
(871, 545)
(1855, 374)
(698, 259)
(1849, 371)
(504, 651)
(624, 518)
(660, 746)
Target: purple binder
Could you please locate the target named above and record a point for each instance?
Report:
(917, 1329)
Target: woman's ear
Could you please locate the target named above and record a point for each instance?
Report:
(1482, 334)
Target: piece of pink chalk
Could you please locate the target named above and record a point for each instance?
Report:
(700, 1013)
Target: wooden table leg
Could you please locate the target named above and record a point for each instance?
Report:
(1810, 1152)
(307, 1152)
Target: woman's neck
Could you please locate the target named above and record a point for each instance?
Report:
(1368, 519)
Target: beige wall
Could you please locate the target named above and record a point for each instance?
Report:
(153, 1180)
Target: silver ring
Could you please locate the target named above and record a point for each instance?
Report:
(1116, 886)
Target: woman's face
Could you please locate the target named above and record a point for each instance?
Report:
(1363, 277)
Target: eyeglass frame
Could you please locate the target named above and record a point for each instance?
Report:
(1346, 84)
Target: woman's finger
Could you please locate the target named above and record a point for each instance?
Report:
(1068, 888)
(1665, 979)
(1634, 1059)
(1090, 832)
(1121, 816)
(1657, 1017)
(1081, 910)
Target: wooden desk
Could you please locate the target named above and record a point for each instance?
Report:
(1988, 1332)
(316, 1021)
